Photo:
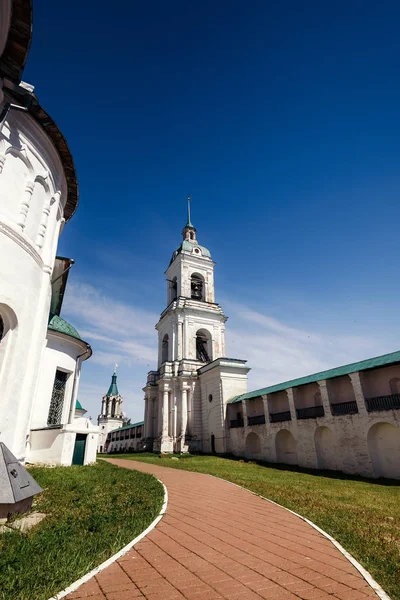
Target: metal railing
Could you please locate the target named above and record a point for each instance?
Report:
(312, 412)
(383, 402)
(236, 423)
(257, 420)
(344, 408)
(280, 416)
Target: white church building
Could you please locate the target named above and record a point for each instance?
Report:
(345, 419)
(40, 353)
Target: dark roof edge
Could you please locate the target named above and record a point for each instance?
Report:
(363, 365)
(16, 50)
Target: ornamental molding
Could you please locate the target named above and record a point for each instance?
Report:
(24, 244)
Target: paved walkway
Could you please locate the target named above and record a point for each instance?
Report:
(218, 541)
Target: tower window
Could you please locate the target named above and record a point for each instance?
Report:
(57, 398)
(203, 346)
(197, 287)
(210, 398)
(173, 289)
(164, 348)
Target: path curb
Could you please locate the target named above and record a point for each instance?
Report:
(74, 586)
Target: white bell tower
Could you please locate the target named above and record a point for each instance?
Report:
(191, 335)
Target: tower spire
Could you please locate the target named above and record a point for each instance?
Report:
(189, 222)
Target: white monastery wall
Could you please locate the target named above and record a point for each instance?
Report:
(365, 443)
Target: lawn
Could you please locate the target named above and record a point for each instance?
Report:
(93, 512)
(363, 515)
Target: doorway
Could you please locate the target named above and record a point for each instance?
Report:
(78, 457)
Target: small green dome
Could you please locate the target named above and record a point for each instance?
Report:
(56, 323)
(190, 247)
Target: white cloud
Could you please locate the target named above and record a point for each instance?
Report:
(275, 350)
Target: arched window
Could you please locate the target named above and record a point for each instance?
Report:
(164, 348)
(113, 404)
(394, 385)
(191, 235)
(2, 328)
(173, 289)
(197, 287)
(203, 346)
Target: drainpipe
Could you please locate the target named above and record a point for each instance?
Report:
(88, 351)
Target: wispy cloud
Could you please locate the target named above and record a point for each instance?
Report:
(275, 349)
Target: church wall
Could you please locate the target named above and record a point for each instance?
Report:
(32, 190)
(60, 353)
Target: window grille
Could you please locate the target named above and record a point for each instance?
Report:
(57, 398)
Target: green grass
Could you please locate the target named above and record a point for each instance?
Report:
(92, 513)
(363, 515)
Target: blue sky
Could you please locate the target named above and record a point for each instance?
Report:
(281, 118)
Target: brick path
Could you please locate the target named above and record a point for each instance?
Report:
(219, 541)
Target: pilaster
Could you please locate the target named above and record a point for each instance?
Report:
(358, 393)
(290, 394)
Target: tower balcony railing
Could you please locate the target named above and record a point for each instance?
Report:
(344, 408)
(312, 412)
(390, 402)
(280, 416)
(152, 377)
(256, 420)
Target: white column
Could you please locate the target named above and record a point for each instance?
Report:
(146, 417)
(266, 408)
(292, 408)
(184, 413)
(165, 411)
(23, 211)
(244, 411)
(358, 393)
(323, 388)
(180, 340)
(160, 413)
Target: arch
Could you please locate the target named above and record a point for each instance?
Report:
(13, 179)
(324, 440)
(384, 449)
(173, 289)
(39, 200)
(285, 445)
(197, 286)
(394, 385)
(203, 345)
(253, 446)
(165, 348)
(8, 325)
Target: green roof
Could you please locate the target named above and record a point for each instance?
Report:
(186, 246)
(113, 389)
(79, 406)
(128, 426)
(370, 363)
(56, 323)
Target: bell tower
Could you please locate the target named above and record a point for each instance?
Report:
(111, 416)
(191, 335)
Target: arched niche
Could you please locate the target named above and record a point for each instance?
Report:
(285, 445)
(324, 440)
(197, 287)
(203, 346)
(165, 348)
(15, 175)
(384, 449)
(39, 201)
(253, 446)
(8, 326)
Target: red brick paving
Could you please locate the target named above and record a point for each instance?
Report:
(218, 541)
